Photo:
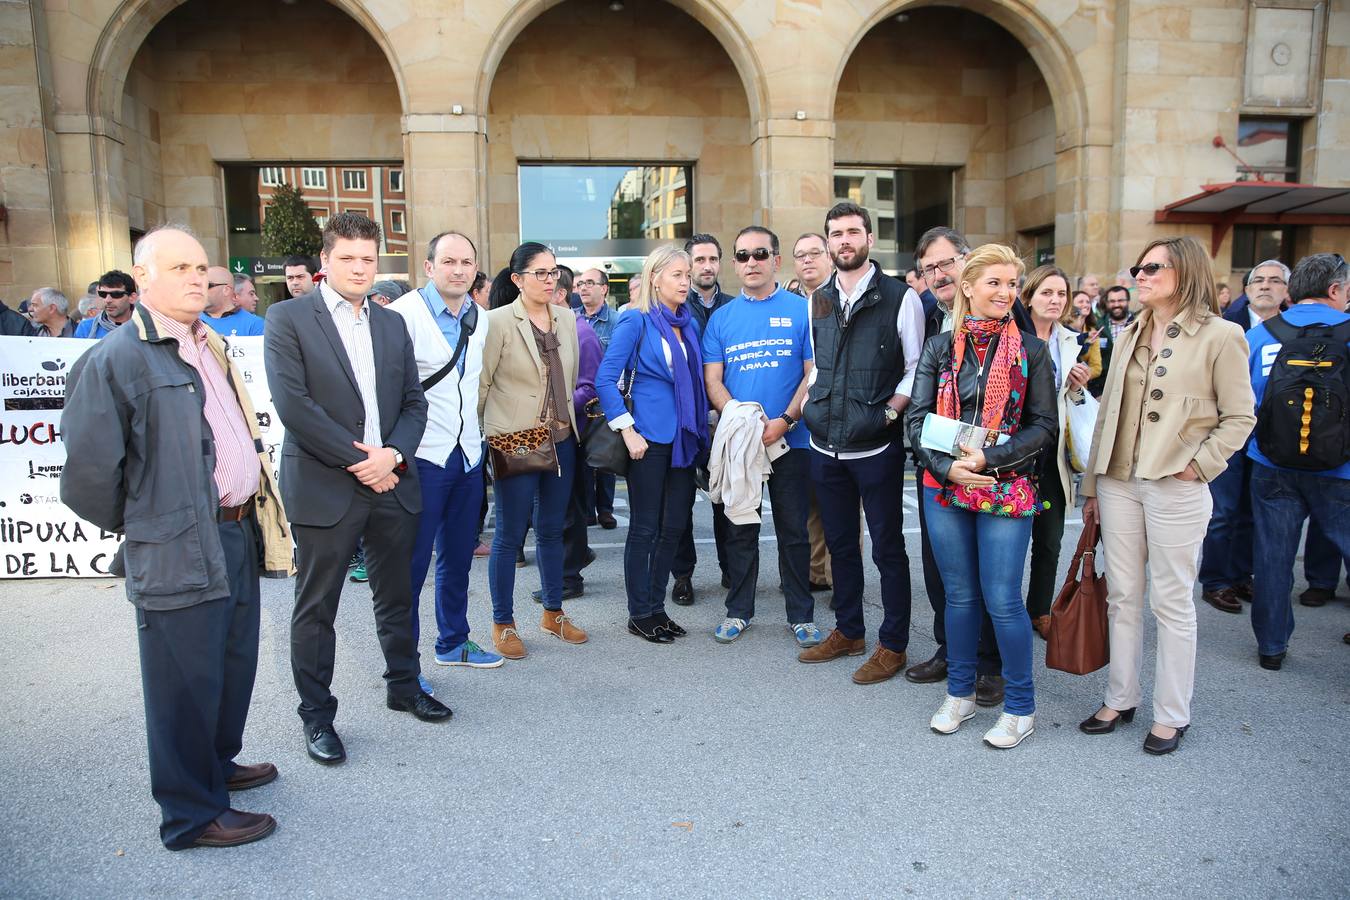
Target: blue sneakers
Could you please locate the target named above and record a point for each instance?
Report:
(730, 630)
(807, 634)
(471, 655)
(425, 684)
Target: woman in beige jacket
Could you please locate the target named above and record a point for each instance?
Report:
(1176, 405)
(530, 362)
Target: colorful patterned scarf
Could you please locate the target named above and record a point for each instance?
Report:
(1002, 398)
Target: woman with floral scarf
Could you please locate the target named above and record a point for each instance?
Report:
(980, 503)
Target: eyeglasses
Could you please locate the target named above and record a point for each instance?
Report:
(588, 283)
(808, 254)
(210, 285)
(942, 265)
(1149, 269)
(111, 295)
(543, 274)
(759, 253)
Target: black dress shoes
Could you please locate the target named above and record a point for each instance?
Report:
(683, 591)
(324, 745)
(607, 521)
(422, 705)
(650, 628)
(818, 586)
(671, 625)
(1272, 663)
(1163, 746)
(1094, 725)
(568, 593)
(989, 690)
(232, 828)
(930, 672)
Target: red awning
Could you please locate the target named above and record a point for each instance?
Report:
(1258, 203)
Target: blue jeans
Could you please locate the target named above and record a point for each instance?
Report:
(1226, 556)
(660, 499)
(599, 491)
(546, 494)
(878, 483)
(1281, 502)
(982, 561)
(1321, 560)
(450, 500)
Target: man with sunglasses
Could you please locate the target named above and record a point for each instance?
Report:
(757, 349)
(705, 298)
(868, 331)
(223, 314)
(117, 291)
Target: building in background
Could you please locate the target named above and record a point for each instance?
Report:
(1073, 130)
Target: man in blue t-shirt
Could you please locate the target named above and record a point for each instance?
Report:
(757, 349)
(1284, 498)
(223, 314)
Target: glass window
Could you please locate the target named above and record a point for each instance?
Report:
(353, 179)
(591, 214)
(320, 216)
(272, 176)
(904, 203)
(1269, 149)
(1255, 243)
(396, 181)
(396, 221)
(314, 178)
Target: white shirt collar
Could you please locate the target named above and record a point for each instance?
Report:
(332, 299)
(859, 289)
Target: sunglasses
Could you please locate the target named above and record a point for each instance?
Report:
(759, 253)
(1150, 270)
(111, 295)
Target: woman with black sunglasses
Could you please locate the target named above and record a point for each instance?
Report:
(1176, 405)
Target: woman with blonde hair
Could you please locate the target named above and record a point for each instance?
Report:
(1075, 359)
(980, 500)
(530, 363)
(654, 352)
(1176, 405)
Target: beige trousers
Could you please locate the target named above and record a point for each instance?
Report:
(820, 554)
(1153, 527)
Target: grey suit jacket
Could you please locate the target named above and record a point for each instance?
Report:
(315, 394)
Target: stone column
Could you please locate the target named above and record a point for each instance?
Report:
(794, 168)
(445, 165)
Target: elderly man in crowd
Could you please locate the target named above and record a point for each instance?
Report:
(50, 311)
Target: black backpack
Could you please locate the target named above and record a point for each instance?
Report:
(1302, 421)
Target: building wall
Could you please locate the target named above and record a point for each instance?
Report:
(654, 85)
(1137, 90)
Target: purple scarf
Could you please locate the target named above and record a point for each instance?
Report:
(691, 400)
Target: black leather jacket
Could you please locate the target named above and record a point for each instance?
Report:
(1039, 428)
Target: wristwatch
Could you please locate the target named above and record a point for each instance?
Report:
(399, 465)
(791, 422)
(890, 414)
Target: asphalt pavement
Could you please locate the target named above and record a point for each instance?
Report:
(622, 768)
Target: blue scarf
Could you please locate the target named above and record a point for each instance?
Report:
(691, 399)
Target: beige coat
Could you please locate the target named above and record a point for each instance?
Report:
(511, 388)
(1199, 408)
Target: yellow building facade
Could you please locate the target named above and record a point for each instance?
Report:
(1067, 127)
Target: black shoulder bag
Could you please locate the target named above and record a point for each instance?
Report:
(466, 329)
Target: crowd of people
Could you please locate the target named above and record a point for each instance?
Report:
(1216, 437)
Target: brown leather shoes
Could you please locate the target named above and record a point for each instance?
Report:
(834, 646)
(246, 777)
(1224, 600)
(556, 623)
(883, 666)
(507, 641)
(232, 828)
(1042, 626)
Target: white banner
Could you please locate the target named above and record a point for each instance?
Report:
(39, 536)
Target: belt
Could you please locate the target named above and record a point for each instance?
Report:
(235, 513)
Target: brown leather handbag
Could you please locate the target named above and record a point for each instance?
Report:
(522, 452)
(1078, 641)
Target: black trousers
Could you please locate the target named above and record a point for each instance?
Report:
(388, 531)
(787, 492)
(686, 555)
(197, 670)
(576, 541)
(988, 661)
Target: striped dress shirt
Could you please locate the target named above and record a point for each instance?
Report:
(238, 469)
(354, 330)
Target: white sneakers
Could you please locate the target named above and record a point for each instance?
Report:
(1008, 731)
(952, 712)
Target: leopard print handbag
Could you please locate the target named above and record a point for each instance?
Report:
(522, 452)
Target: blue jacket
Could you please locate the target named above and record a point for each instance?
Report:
(637, 337)
(240, 323)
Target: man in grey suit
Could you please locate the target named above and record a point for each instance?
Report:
(345, 385)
